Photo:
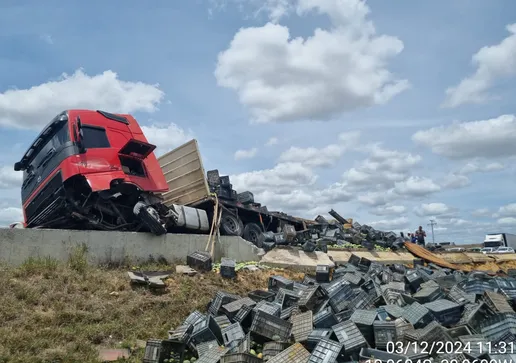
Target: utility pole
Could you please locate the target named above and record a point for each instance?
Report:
(432, 224)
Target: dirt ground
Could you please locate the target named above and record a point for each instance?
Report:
(53, 312)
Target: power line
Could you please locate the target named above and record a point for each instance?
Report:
(432, 224)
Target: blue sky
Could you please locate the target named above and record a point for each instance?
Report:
(361, 107)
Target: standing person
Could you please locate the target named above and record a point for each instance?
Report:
(413, 238)
(421, 234)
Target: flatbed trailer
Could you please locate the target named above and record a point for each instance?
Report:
(188, 185)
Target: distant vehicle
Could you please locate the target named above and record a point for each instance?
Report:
(475, 249)
(500, 240)
(504, 250)
(456, 249)
(487, 250)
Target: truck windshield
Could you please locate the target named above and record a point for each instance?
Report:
(50, 146)
(492, 244)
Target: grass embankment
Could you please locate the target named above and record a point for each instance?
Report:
(64, 312)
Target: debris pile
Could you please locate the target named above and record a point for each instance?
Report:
(359, 311)
(337, 233)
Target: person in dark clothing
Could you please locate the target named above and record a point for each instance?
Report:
(420, 236)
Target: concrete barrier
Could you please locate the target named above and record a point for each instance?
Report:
(17, 245)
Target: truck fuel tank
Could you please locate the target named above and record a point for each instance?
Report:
(191, 218)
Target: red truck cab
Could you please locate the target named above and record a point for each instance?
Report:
(89, 167)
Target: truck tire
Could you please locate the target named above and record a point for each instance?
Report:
(149, 216)
(231, 225)
(253, 234)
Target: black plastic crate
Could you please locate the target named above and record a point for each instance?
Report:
(434, 332)
(417, 315)
(354, 278)
(311, 297)
(277, 282)
(213, 355)
(182, 333)
(326, 351)
(309, 280)
(259, 295)
(268, 307)
(364, 320)
(396, 277)
(244, 317)
(232, 308)
(302, 326)
(200, 261)
(414, 280)
(316, 336)
(471, 316)
(477, 346)
(324, 319)
(459, 330)
(294, 354)
(202, 331)
(194, 317)
(271, 327)
(348, 334)
(157, 351)
(272, 349)
(363, 301)
(323, 273)
(399, 268)
(213, 177)
(232, 335)
(384, 332)
(498, 325)
(427, 294)
(344, 315)
(221, 322)
(286, 298)
(459, 296)
(445, 311)
(395, 311)
(203, 348)
(224, 180)
(245, 197)
(496, 303)
(354, 259)
(340, 298)
(227, 268)
(240, 358)
(221, 298)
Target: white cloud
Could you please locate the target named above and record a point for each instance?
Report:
(245, 154)
(389, 210)
(166, 137)
(311, 156)
(272, 141)
(479, 167)
(377, 198)
(10, 215)
(491, 138)
(481, 212)
(10, 178)
(454, 181)
(36, 106)
(432, 209)
(507, 221)
(493, 63)
(280, 78)
(508, 210)
(391, 224)
(416, 187)
(47, 38)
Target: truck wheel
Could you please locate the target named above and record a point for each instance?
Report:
(231, 225)
(253, 234)
(150, 217)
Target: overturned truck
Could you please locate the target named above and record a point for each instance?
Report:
(96, 170)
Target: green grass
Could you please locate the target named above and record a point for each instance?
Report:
(64, 312)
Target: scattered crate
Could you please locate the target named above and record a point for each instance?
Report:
(270, 326)
(227, 268)
(200, 261)
(302, 326)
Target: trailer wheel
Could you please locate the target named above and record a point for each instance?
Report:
(253, 234)
(231, 225)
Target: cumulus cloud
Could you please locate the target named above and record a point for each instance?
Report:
(245, 154)
(508, 210)
(479, 167)
(10, 178)
(492, 63)
(492, 138)
(389, 210)
(281, 78)
(391, 224)
(481, 212)
(433, 209)
(507, 221)
(10, 215)
(454, 181)
(272, 141)
(34, 107)
(417, 187)
(166, 137)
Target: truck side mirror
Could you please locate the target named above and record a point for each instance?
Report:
(78, 135)
(18, 166)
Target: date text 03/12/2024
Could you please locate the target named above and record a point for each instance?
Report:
(433, 348)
